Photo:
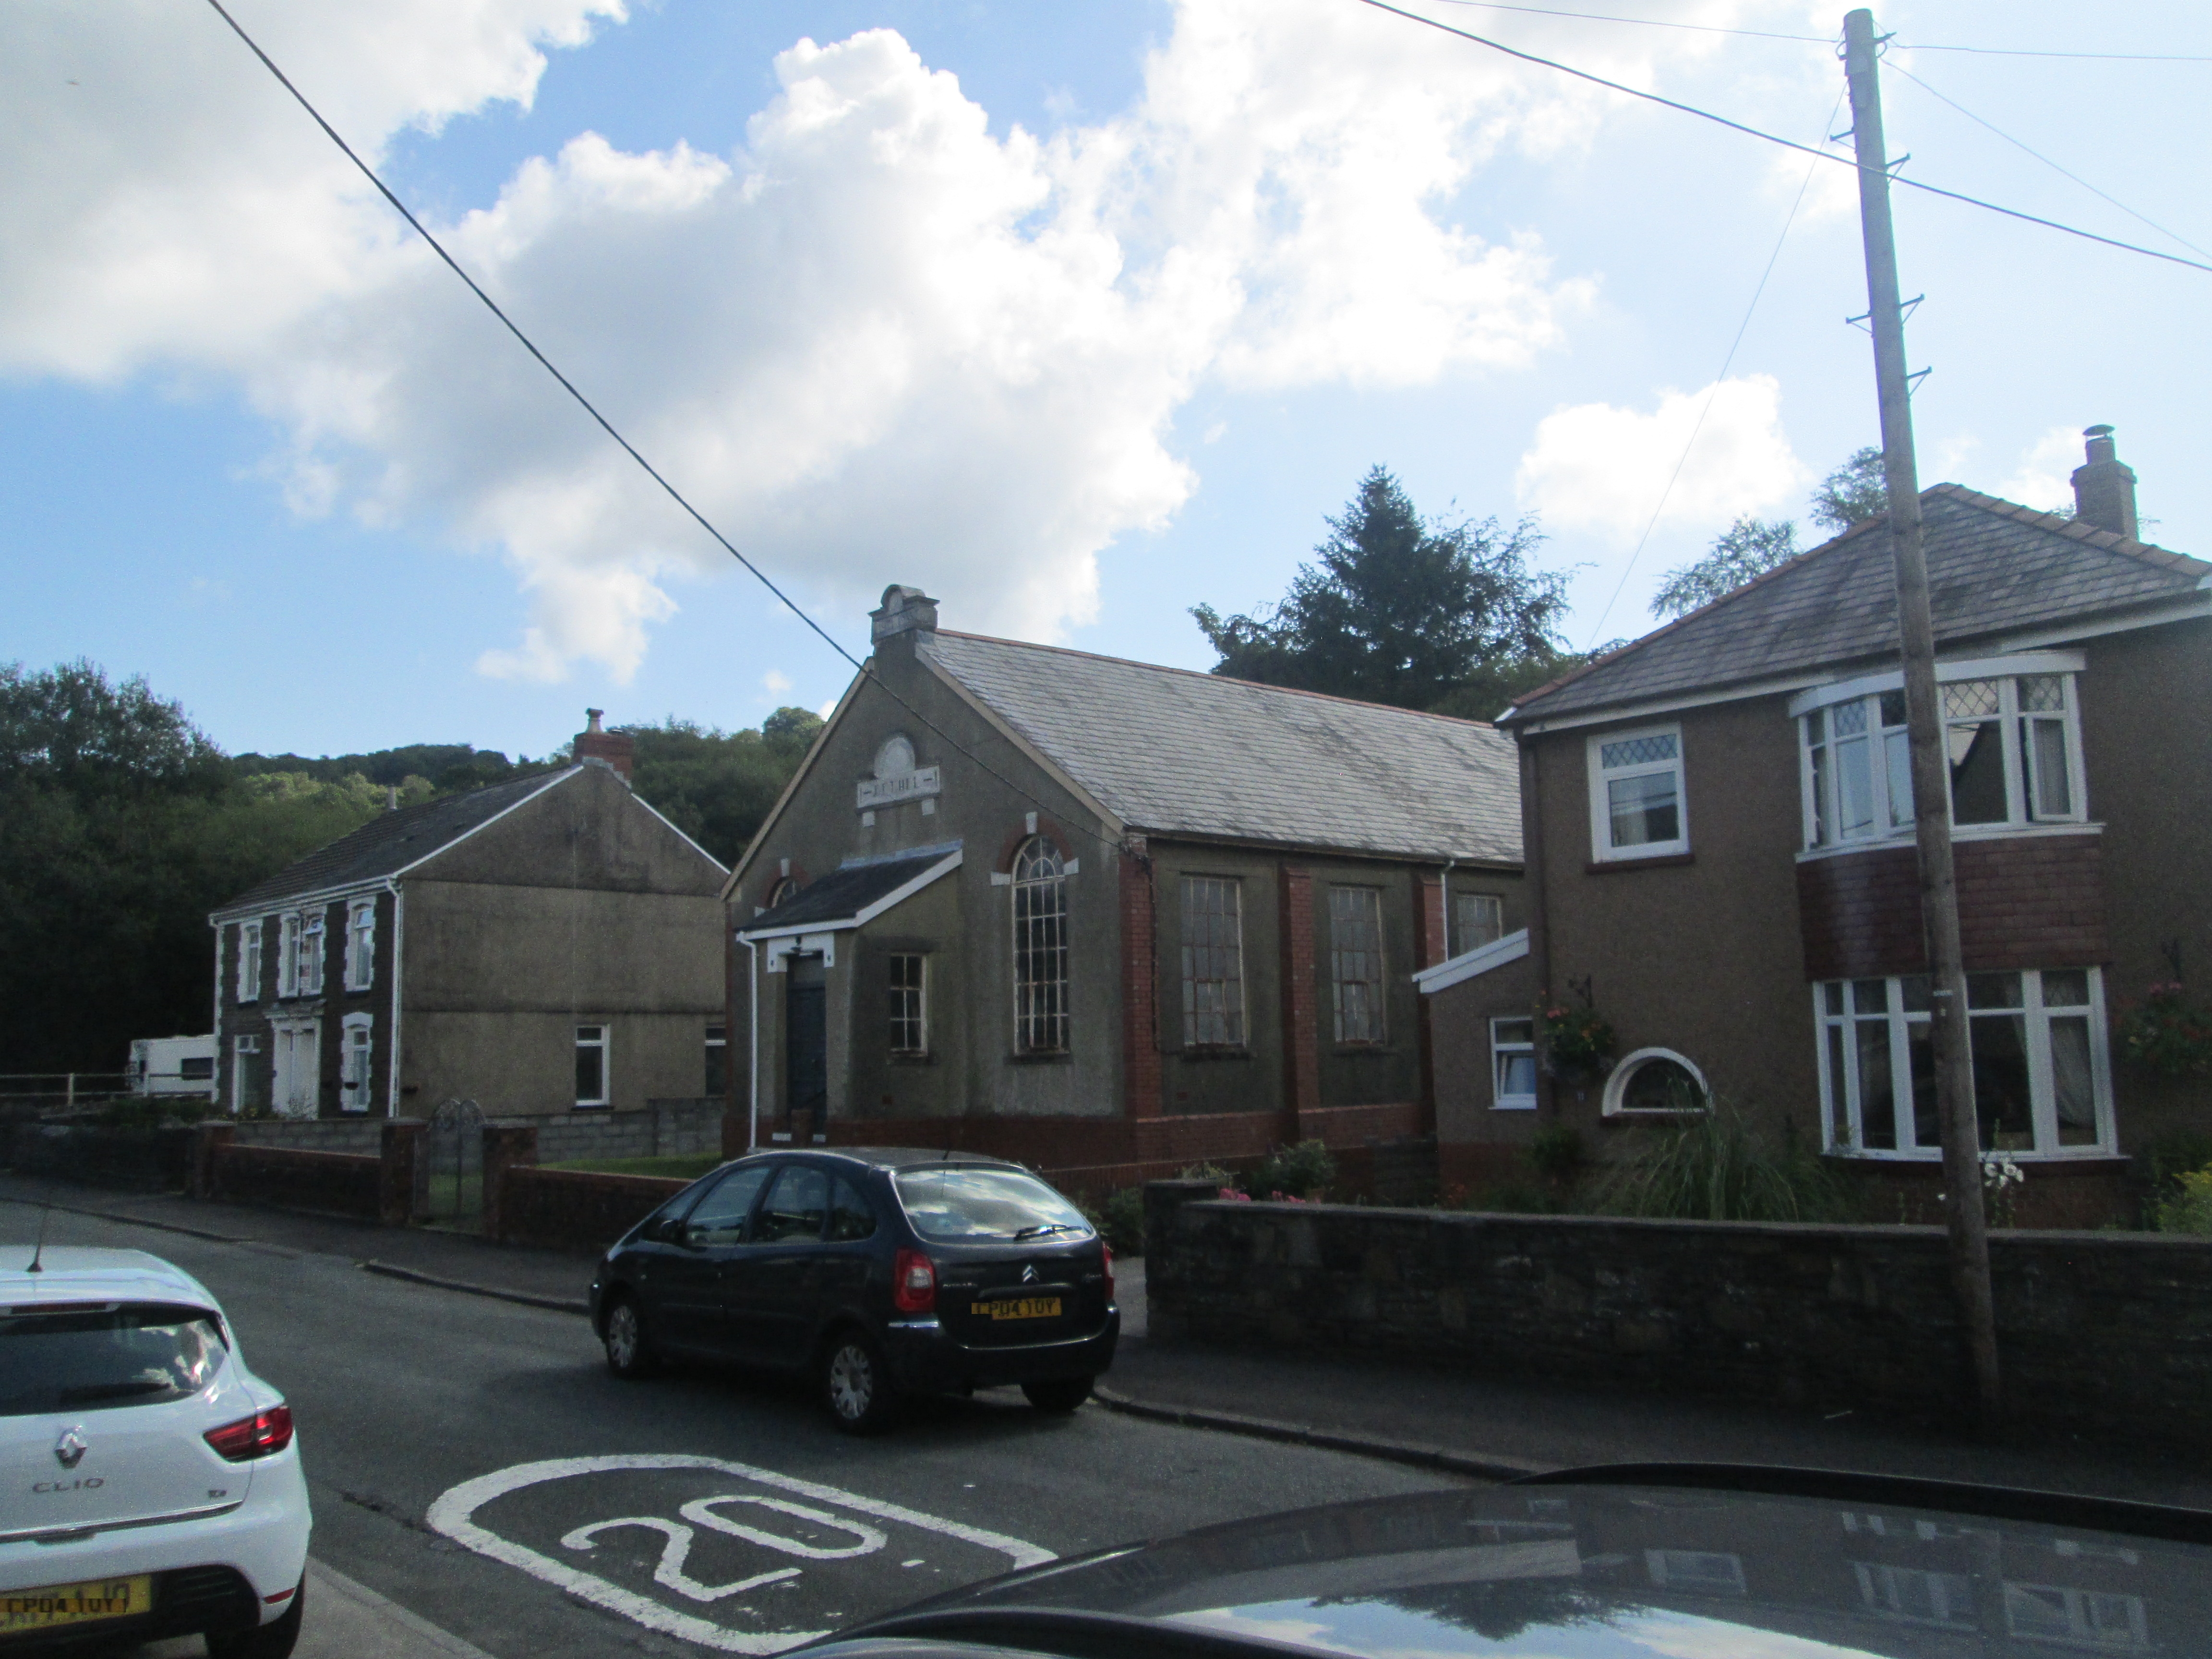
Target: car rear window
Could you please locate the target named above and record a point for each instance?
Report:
(98, 1359)
(947, 1206)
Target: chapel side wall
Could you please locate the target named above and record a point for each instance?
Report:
(1704, 957)
(2144, 743)
(821, 827)
(1477, 1143)
(930, 1085)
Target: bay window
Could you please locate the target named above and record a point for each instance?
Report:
(2011, 746)
(2041, 1062)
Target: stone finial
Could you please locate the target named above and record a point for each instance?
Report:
(904, 610)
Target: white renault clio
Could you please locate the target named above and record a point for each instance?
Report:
(150, 1484)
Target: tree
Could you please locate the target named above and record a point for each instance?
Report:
(1398, 609)
(1852, 494)
(1747, 548)
(717, 787)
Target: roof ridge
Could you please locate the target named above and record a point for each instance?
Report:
(2110, 541)
(1216, 679)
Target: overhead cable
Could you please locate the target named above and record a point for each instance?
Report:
(1775, 138)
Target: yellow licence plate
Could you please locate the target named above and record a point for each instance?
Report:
(75, 1604)
(1031, 1307)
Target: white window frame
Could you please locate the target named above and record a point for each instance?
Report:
(1459, 944)
(1695, 1570)
(1230, 1014)
(1043, 1020)
(287, 954)
(708, 1043)
(313, 944)
(1843, 1126)
(1617, 1081)
(919, 1049)
(604, 1043)
(1501, 1051)
(1603, 850)
(246, 1045)
(361, 945)
(2020, 813)
(249, 959)
(1378, 986)
(2078, 1609)
(357, 1064)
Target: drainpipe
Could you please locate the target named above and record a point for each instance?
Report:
(752, 1110)
(1532, 880)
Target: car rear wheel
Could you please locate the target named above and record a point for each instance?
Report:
(856, 1386)
(274, 1641)
(1059, 1394)
(630, 1350)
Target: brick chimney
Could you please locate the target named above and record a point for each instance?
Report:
(905, 612)
(2104, 487)
(617, 748)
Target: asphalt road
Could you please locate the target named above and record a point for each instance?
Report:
(472, 1460)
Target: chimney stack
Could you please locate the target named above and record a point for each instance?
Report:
(616, 749)
(2105, 487)
(905, 610)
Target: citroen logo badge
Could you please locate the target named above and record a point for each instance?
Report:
(70, 1449)
(1029, 1277)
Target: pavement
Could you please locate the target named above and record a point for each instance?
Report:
(1471, 1426)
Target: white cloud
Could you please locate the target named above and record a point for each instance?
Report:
(1595, 466)
(876, 343)
(2045, 477)
(775, 681)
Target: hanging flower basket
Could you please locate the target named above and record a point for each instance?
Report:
(1578, 1044)
(2166, 1034)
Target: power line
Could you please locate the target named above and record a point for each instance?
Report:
(1899, 69)
(1727, 363)
(1647, 22)
(607, 426)
(1774, 138)
(2091, 57)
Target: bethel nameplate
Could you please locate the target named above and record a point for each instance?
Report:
(902, 786)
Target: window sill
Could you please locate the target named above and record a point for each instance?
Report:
(1959, 833)
(912, 1059)
(1362, 1050)
(1214, 1051)
(2088, 1160)
(1060, 1058)
(1519, 1103)
(1655, 861)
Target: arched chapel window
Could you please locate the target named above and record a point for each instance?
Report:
(783, 889)
(1040, 949)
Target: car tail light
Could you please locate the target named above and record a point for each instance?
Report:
(913, 1283)
(1107, 1250)
(258, 1435)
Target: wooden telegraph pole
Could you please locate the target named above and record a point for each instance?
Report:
(1931, 791)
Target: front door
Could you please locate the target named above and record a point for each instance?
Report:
(806, 1046)
(296, 1074)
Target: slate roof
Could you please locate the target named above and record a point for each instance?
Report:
(1993, 568)
(390, 842)
(844, 892)
(1170, 751)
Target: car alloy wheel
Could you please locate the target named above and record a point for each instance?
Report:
(854, 1385)
(628, 1354)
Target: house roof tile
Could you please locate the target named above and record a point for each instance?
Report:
(1993, 567)
(390, 841)
(1170, 751)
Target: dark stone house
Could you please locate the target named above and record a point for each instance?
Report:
(544, 945)
(1720, 857)
(1104, 916)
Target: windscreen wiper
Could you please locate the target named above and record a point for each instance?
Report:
(1039, 1233)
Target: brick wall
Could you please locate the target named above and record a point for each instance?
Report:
(2097, 1332)
(2031, 901)
(328, 1183)
(1301, 1014)
(571, 1209)
(1141, 1081)
(314, 1134)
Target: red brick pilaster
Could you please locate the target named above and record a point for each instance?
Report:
(1140, 1044)
(1301, 1018)
(1430, 946)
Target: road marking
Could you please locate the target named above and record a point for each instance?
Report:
(454, 1512)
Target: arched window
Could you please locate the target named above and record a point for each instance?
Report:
(1656, 1080)
(782, 891)
(1040, 949)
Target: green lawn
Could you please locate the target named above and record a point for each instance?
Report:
(683, 1169)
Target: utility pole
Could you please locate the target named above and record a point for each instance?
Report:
(1932, 789)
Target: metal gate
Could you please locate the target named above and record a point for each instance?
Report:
(450, 1181)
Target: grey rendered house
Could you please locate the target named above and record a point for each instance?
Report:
(549, 944)
(1104, 915)
(1721, 859)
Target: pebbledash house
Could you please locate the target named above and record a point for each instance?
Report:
(1721, 863)
(549, 944)
(1108, 918)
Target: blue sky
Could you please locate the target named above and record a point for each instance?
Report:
(1077, 315)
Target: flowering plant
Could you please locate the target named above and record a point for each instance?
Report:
(2167, 1034)
(1577, 1042)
